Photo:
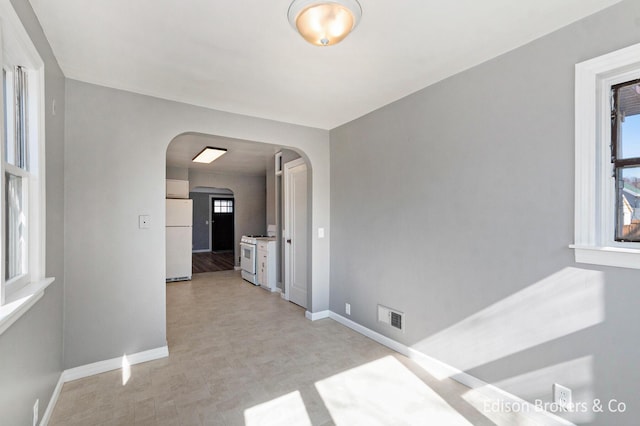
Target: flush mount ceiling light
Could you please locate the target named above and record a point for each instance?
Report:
(208, 154)
(324, 23)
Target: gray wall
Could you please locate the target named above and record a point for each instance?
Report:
(249, 193)
(200, 220)
(271, 193)
(115, 282)
(178, 173)
(455, 206)
(31, 349)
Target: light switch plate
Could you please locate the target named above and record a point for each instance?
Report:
(144, 221)
(320, 232)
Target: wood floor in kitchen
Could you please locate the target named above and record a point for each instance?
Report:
(212, 262)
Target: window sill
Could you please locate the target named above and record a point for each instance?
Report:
(608, 256)
(20, 301)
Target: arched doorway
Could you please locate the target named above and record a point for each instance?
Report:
(245, 181)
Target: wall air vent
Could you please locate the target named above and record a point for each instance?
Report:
(391, 317)
(396, 320)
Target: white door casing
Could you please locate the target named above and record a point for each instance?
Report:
(295, 232)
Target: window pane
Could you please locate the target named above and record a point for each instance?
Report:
(15, 117)
(21, 125)
(9, 120)
(628, 228)
(15, 226)
(223, 206)
(629, 108)
(630, 137)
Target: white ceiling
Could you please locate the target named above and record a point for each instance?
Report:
(242, 157)
(244, 57)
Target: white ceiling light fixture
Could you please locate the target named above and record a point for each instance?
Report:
(208, 154)
(324, 23)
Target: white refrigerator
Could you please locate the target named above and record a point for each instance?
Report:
(179, 220)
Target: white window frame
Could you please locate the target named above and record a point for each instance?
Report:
(28, 179)
(16, 48)
(595, 186)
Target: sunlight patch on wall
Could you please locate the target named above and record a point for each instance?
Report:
(563, 303)
(288, 409)
(384, 392)
(506, 411)
(576, 374)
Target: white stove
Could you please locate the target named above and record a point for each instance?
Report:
(253, 239)
(248, 257)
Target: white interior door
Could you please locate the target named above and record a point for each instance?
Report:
(295, 231)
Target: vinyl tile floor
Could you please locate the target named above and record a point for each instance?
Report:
(239, 355)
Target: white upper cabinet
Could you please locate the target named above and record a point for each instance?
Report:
(177, 188)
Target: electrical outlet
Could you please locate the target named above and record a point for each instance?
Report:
(562, 396)
(35, 412)
(347, 308)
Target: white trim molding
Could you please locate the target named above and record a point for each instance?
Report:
(315, 316)
(20, 301)
(537, 415)
(52, 401)
(114, 363)
(17, 296)
(594, 184)
(97, 368)
(607, 256)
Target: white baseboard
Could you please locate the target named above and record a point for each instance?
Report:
(237, 268)
(374, 335)
(314, 316)
(97, 368)
(114, 363)
(446, 370)
(52, 401)
(201, 251)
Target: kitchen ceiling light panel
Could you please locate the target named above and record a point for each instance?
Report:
(208, 154)
(324, 23)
